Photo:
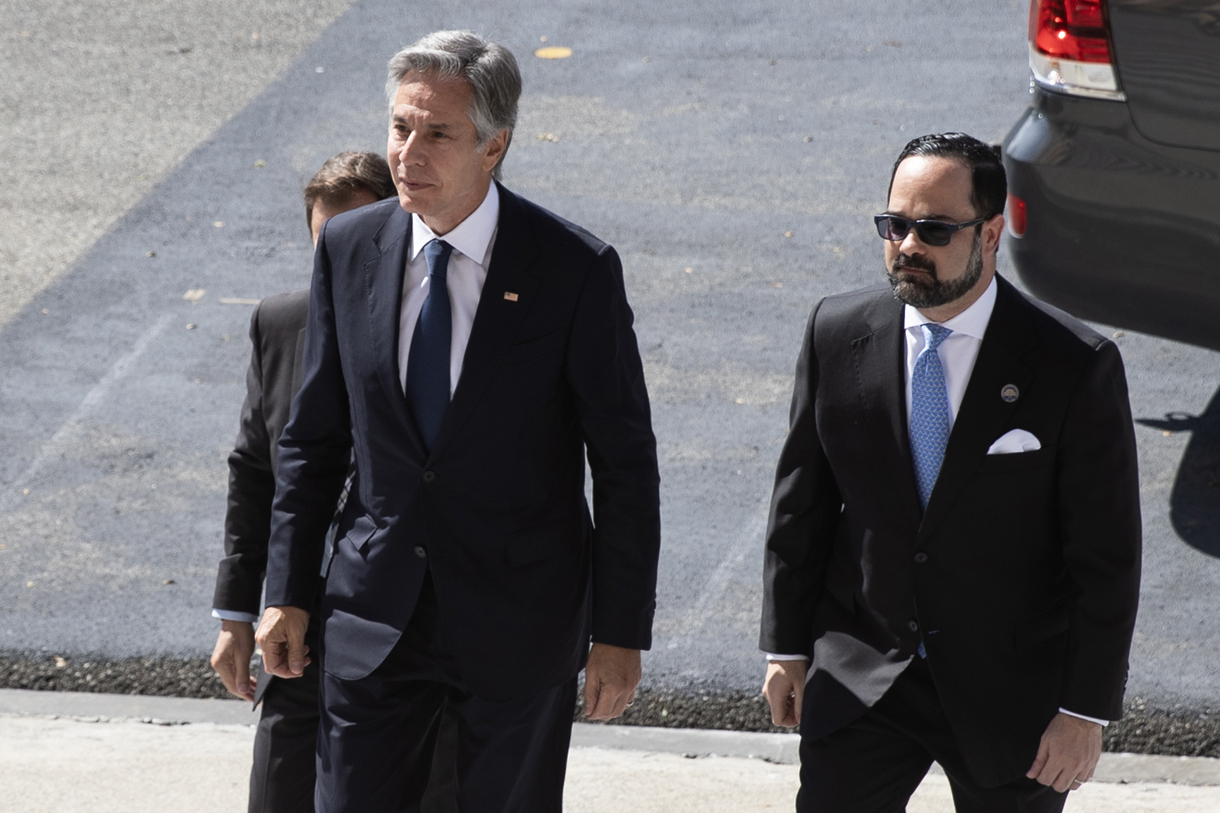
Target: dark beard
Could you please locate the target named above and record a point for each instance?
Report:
(933, 293)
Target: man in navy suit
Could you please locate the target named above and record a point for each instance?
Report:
(473, 350)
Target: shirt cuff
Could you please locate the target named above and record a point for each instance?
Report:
(771, 656)
(1102, 723)
(233, 615)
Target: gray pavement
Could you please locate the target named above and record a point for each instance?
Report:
(731, 150)
(104, 753)
(102, 100)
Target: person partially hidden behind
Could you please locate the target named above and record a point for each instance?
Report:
(475, 350)
(282, 778)
(953, 556)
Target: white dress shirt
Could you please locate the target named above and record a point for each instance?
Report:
(234, 615)
(472, 241)
(957, 352)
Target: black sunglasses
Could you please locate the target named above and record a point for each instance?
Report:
(931, 232)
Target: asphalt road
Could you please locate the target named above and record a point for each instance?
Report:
(732, 150)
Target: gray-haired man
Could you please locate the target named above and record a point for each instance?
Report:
(472, 349)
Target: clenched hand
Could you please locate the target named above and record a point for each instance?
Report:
(281, 636)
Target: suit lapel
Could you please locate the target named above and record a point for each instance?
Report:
(880, 359)
(383, 278)
(497, 319)
(983, 413)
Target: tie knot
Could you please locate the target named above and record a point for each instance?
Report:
(934, 334)
(437, 252)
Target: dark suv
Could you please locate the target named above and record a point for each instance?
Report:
(1114, 171)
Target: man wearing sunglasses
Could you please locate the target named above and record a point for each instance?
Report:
(952, 562)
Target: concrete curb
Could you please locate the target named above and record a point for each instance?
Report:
(690, 742)
(87, 705)
(777, 748)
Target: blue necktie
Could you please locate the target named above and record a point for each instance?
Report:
(428, 359)
(929, 428)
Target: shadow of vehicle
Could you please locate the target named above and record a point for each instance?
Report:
(1194, 505)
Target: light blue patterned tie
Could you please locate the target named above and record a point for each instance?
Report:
(929, 428)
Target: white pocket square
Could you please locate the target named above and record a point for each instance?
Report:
(1015, 442)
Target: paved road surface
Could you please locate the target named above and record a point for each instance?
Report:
(732, 151)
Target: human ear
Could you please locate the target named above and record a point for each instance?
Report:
(992, 231)
(494, 149)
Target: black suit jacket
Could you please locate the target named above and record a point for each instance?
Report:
(277, 344)
(277, 338)
(1022, 578)
(496, 510)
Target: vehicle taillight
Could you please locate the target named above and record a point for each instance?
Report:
(1070, 29)
(1016, 216)
(1069, 47)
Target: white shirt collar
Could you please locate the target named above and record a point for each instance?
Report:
(471, 237)
(970, 322)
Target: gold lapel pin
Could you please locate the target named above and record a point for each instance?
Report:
(1009, 393)
(510, 296)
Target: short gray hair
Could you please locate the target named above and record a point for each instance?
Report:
(490, 70)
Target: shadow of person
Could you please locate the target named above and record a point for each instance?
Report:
(1194, 505)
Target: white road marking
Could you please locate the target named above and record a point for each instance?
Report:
(87, 405)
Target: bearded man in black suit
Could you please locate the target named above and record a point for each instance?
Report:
(473, 350)
(282, 776)
(952, 562)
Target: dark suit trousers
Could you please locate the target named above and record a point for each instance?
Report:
(379, 734)
(875, 763)
(285, 742)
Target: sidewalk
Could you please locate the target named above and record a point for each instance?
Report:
(108, 753)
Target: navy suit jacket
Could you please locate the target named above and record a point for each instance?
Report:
(497, 510)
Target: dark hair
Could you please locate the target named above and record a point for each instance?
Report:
(343, 176)
(989, 183)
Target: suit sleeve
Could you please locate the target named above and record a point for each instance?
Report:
(314, 451)
(606, 376)
(239, 582)
(1099, 515)
(806, 507)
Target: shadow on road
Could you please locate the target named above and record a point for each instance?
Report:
(1194, 506)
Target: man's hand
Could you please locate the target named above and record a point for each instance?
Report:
(281, 636)
(231, 658)
(1068, 753)
(784, 688)
(610, 680)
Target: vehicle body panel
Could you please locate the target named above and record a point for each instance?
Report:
(1167, 53)
(1120, 229)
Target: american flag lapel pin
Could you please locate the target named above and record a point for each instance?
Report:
(510, 296)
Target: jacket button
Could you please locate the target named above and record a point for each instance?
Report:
(921, 558)
(420, 552)
(429, 476)
(914, 625)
